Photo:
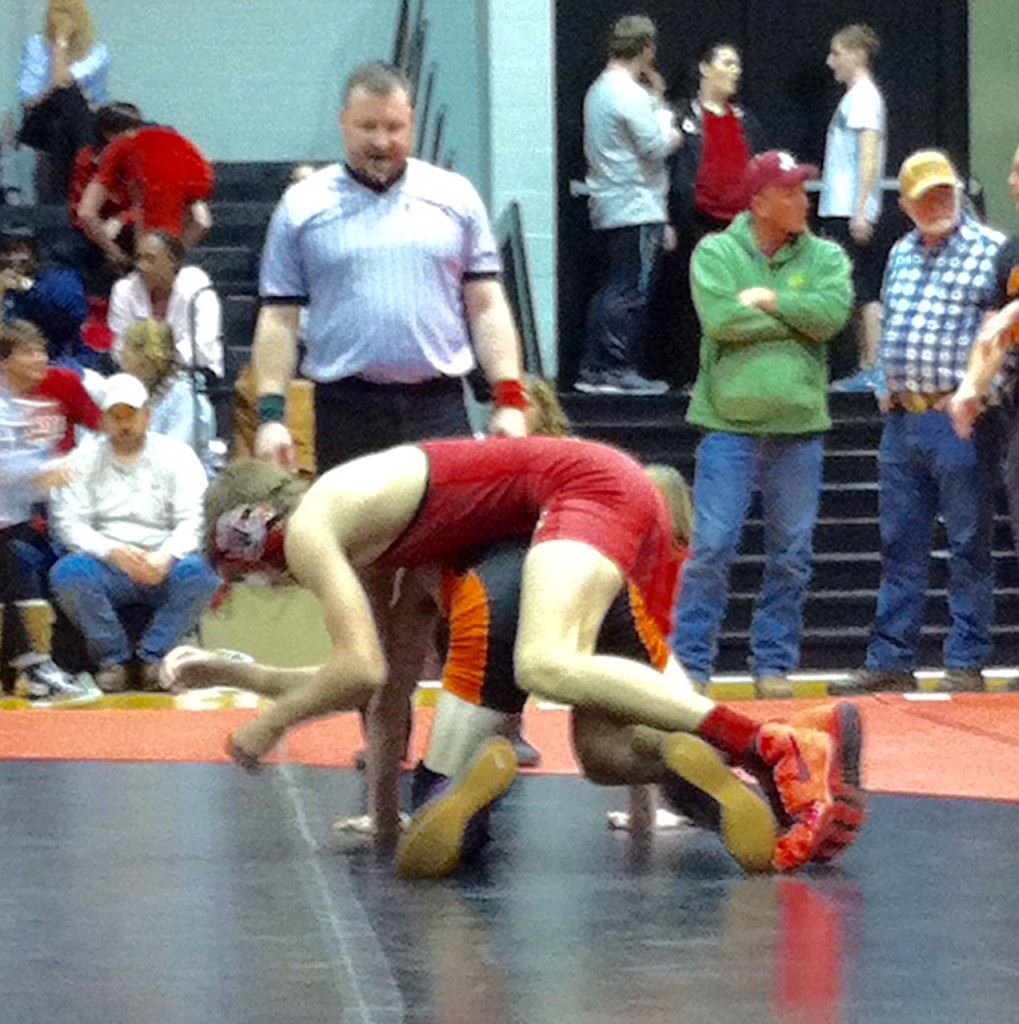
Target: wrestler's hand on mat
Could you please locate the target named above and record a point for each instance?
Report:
(250, 743)
(274, 444)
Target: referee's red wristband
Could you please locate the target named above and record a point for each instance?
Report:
(509, 394)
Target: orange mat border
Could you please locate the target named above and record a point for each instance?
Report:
(966, 746)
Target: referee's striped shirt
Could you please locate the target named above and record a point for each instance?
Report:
(381, 273)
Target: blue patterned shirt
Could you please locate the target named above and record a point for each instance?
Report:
(934, 300)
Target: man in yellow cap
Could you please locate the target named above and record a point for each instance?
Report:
(938, 284)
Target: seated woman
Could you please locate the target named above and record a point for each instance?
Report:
(162, 288)
(62, 79)
(179, 407)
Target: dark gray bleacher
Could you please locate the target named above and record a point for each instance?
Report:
(244, 198)
(842, 597)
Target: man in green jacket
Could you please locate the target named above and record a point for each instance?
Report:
(770, 296)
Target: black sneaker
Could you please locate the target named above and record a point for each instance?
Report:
(874, 680)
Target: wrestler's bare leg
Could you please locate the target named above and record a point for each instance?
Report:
(191, 668)
(567, 589)
(348, 519)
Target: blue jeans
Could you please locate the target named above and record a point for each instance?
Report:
(617, 316)
(926, 470)
(90, 591)
(730, 467)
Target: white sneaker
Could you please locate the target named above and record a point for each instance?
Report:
(46, 684)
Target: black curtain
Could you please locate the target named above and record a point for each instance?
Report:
(922, 70)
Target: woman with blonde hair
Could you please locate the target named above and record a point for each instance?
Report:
(178, 407)
(61, 82)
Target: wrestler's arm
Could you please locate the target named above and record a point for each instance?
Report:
(357, 666)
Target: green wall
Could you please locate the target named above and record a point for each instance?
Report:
(260, 79)
(994, 103)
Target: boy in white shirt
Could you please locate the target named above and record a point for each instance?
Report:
(850, 204)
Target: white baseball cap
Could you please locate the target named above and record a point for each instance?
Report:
(124, 389)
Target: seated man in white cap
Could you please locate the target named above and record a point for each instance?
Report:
(131, 519)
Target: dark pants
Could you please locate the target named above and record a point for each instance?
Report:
(58, 126)
(618, 315)
(355, 417)
(1010, 466)
(14, 587)
(674, 331)
(926, 472)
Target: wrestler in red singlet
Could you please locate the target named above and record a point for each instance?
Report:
(547, 489)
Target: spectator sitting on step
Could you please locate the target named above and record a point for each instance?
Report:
(168, 179)
(117, 214)
(178, 404)
(32, 429)
(131, 519)
(62, 78)
(162, 288)
(49, 296)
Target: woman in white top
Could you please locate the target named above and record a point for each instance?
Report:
(61, 81)
(162, 288)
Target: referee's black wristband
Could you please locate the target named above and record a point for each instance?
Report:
(271, 408)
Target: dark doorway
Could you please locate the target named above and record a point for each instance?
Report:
(922, 69)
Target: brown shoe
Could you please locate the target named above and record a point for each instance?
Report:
(963, 680)
(773, 688)
(148, 677)
(112, 679)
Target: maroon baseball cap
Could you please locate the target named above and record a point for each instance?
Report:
(775, 167)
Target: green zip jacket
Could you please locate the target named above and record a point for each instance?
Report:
(763, 373)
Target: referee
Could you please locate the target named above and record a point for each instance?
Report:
(397, 266)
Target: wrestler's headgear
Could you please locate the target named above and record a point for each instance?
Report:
(249, 541)
(246, 511)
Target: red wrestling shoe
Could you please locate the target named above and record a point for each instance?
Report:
(815, 775)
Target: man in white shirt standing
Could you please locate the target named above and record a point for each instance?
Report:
(628, 133)
(850, 204)
(132, 519)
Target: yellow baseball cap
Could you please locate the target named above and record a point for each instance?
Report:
(924, 170)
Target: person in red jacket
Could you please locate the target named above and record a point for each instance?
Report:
(166, 179)
(116, 212)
